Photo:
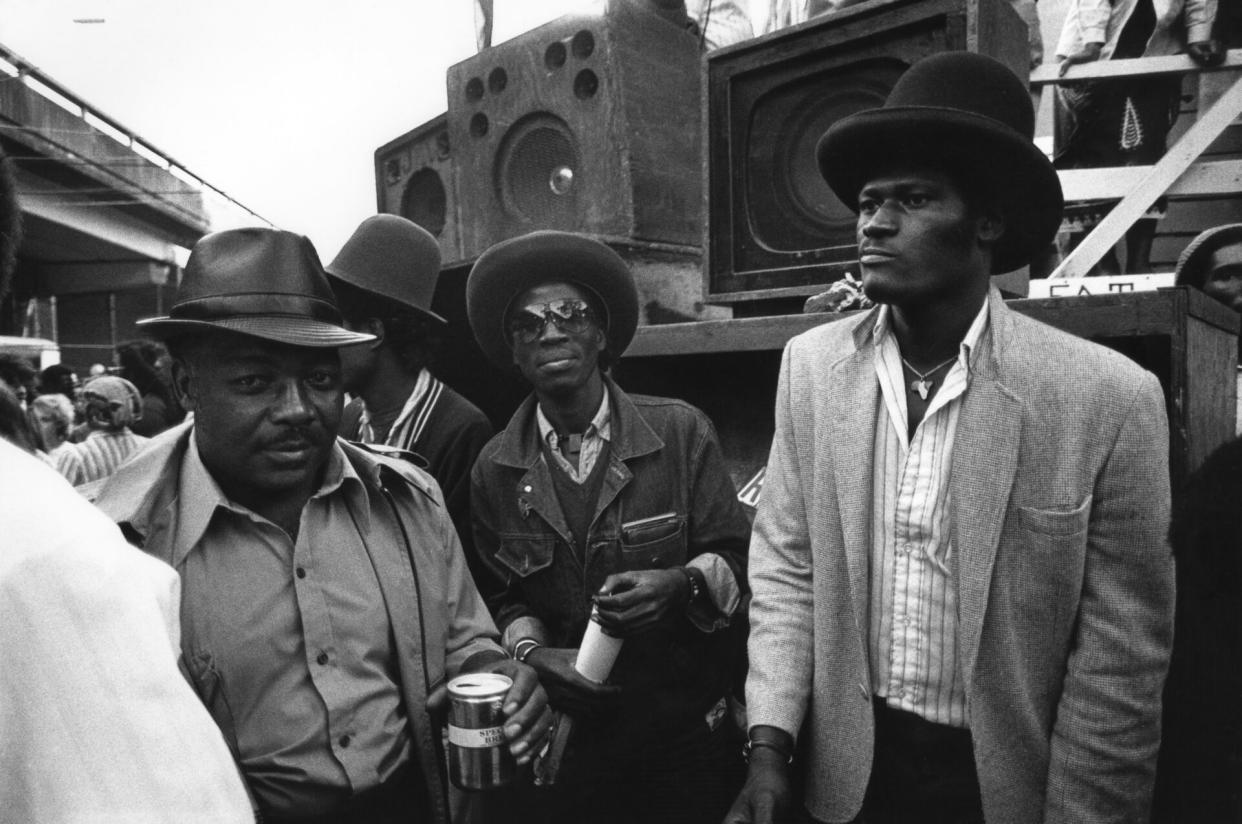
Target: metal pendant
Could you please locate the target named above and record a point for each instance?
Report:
(922, 387)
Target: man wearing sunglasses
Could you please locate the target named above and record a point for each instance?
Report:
(595, 499)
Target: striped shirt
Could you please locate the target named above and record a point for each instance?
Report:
(102, 452)
(912, 634)
(598, 432)
(412, 420)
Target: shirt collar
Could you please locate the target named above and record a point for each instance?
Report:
(200, 497)
(600, 425)
(968, 349)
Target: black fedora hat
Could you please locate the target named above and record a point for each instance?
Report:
(392, 257)
(509, 268)
(1192, 264)
(961, 111)
(264, 283)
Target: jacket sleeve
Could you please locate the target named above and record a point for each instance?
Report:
(1107, 731)
(781, 620)
(513, 615)
(718, 532)
(470, 626)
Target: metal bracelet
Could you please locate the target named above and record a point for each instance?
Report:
(750, 746)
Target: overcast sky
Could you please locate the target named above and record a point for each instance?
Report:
(280, 103)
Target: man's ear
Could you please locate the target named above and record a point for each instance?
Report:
(375, 326)
(990, 229)
(183, 385)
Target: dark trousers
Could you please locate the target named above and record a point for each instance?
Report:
(399, 800)
(687, 777)
(922, 772)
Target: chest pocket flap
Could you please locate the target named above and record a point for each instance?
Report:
(525, 555)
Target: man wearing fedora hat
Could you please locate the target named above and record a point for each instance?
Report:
(594, 499)
(384, 278)
(325, 598)
(962, 591)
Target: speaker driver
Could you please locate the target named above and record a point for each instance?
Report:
(425, 201)
(796, 209)
(538, 172)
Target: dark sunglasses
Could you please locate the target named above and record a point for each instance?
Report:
(569, 315)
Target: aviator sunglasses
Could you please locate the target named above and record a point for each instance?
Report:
(568, 315)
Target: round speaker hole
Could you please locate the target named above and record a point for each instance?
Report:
(583, 44)
(497, 80)
(478, 124)
(554, 56)
(586, 84)
(474, 90)
(442, 144)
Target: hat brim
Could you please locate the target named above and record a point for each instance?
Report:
(858, 147)
(294, 331)
(1191, 262)
(511, 267)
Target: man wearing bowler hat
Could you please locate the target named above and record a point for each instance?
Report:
(963, 595)
(384, 278)
(325, 598)
(592, 497)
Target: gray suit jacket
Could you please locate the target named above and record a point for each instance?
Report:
(1060, 507)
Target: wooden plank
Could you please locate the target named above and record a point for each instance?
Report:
(1171, 167)
(1172, 64)
(1220, 177)
(1134, 313)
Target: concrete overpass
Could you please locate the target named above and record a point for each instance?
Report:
(108, 218)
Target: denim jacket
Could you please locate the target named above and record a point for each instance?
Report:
(665, 498)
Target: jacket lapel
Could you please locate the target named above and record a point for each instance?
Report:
(985, 462)
(848, 397)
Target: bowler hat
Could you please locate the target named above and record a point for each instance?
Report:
(1192, 263)
(392, 257)
(264, 283)
(511, 267)
(957, 111)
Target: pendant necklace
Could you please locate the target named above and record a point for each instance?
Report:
(923, 385)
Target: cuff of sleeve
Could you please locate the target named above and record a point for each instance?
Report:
(717, 609)
(527, 626)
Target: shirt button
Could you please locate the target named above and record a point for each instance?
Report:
(345, 739)
(301, 572)
(322, 658)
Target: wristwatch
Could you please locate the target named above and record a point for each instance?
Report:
(693, 581)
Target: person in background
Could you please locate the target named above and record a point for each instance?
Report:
(1124, 122)
(384, 278)
(1212, 261)
(52, 416)
(15, 422)
(962, 588)
(110, 405)
(59, 378)
(325, 598)
(592, 498)
(141, 364)
(17, 374)
(98, 723)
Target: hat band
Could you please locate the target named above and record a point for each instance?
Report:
(253, 303)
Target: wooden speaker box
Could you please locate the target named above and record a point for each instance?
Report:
(589, 123)
(776, 230)
(415, 178)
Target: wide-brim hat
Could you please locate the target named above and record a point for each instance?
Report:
(392, 257)
(511, 267)
(963, 112)
(1192, 263)
(265, 283)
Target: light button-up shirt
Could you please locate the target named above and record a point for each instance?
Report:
(294, 637)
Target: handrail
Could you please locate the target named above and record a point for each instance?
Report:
(1175, 170)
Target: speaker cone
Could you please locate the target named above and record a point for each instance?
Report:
(425, 201)
(538, 172)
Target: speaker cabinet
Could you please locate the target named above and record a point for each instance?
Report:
(589, 123)
(415, 178)
(776, 230)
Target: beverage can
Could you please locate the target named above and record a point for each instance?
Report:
(479, 757)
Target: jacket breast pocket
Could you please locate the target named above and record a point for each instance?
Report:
(1055, 523)
(526, 555)
(654, 543)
